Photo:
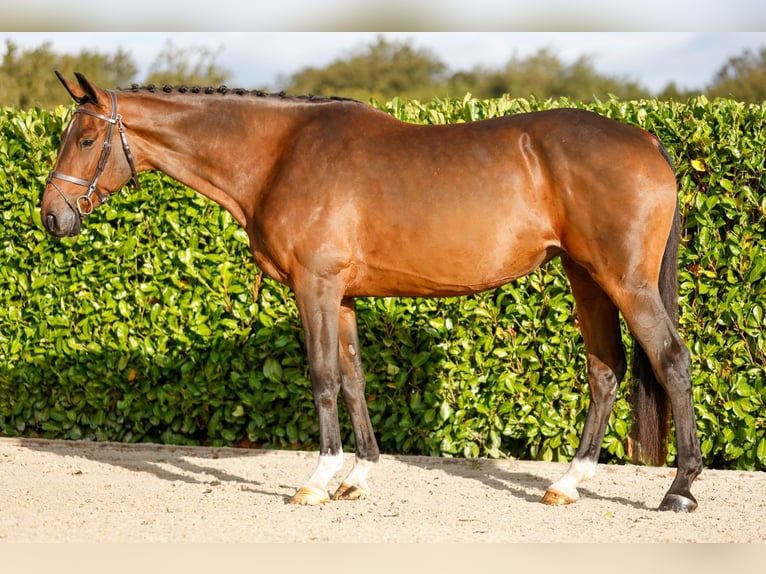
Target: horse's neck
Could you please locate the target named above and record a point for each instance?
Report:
(219, 147)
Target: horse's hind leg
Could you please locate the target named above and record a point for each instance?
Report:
(670, 360)
(600, 326)
(353, 383)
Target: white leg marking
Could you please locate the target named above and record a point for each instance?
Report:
(358, 475)
(328, 465)
(579, 470)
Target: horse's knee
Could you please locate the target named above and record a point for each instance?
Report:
(325, 388)
(326, 394)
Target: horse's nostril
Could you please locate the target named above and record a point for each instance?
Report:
(50, 223)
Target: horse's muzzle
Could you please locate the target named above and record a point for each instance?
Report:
(65, 223)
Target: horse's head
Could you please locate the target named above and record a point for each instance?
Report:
(86, 172)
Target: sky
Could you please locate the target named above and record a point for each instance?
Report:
(260, 42)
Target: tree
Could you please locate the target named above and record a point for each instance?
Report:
(193, 66)
(544, 75)
(27, 78)
(387, 69)
(672, 92)
(743, 78)
(382, 70)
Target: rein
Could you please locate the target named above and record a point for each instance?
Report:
(83, 205)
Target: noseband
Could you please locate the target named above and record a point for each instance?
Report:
(83, 205)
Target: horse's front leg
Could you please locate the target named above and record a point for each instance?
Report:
(319, 306)
(355, 486)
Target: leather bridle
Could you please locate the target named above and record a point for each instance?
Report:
(83, 205)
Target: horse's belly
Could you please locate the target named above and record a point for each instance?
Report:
(427, 272)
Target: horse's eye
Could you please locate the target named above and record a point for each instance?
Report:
(87, 143)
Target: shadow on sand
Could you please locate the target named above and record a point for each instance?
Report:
(174, 463)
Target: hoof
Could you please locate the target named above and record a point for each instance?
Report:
(556, 498)
(678, 503)
(349, 492)
(310, 496)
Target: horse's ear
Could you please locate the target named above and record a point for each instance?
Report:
(84, 91)
(77, 93)
(91, 91)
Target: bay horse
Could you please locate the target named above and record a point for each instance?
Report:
(340, 200)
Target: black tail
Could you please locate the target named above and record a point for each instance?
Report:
(649, 402)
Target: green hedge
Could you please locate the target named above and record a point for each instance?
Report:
(155, 325)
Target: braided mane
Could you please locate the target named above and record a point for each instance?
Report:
(224, 90)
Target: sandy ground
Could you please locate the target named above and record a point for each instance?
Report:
(59, 491)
